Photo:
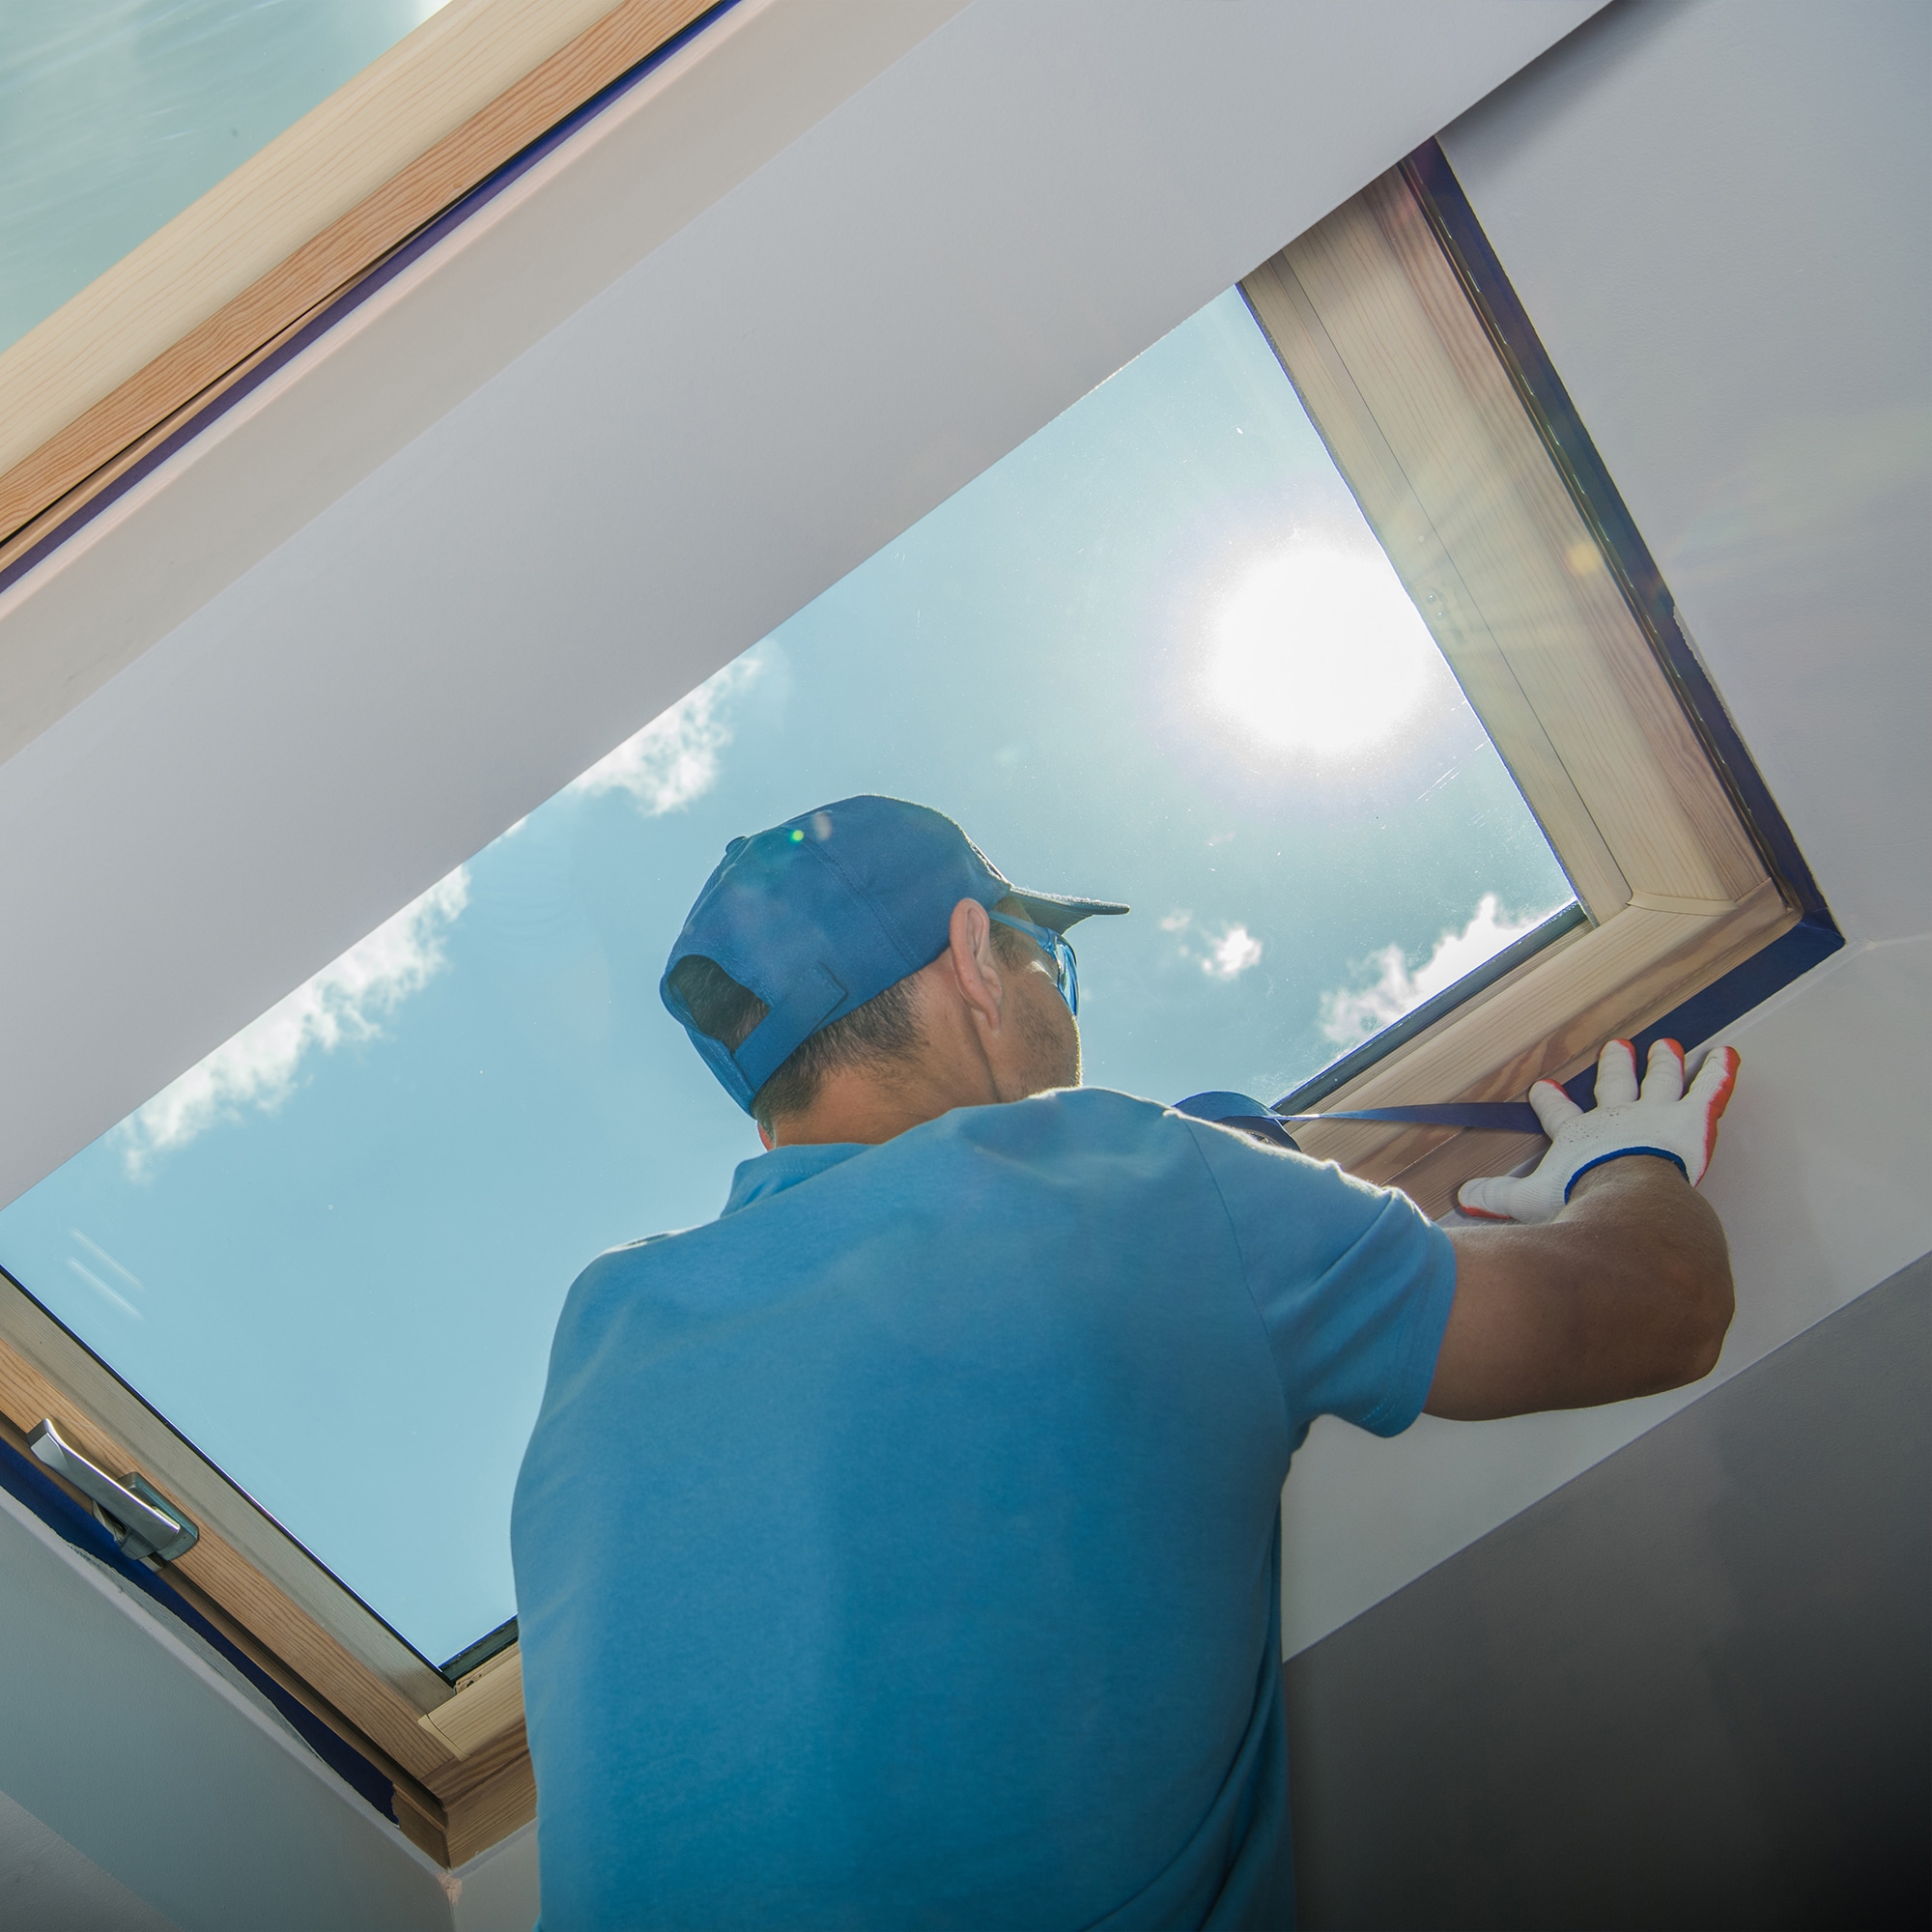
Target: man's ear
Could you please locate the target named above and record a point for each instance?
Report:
(976, 966)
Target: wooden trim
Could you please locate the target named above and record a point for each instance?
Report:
(244, 1563)
(501, 1799)
(488, 1703)
(1546, 1021)
(202, 299)
(1601, 503)
(1404, 383)
(109, 471)
(1402, 377)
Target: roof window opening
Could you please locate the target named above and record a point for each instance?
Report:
(1155, 653)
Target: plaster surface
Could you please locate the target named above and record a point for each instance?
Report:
(45, 1884)
(130, 1744)
(499, 1891)
(1689, 1689)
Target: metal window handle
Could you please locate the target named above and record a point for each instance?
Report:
(142, 1520)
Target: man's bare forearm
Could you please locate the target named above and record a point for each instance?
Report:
(1625, 1291)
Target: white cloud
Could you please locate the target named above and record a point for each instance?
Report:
(1225, 957)
(344, 1001)
(674, 758)
(1349, 1015)
(1232, 953)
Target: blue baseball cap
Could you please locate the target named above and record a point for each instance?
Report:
(826, 910)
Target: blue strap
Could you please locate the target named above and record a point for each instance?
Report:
(1486, 1117)
(1241, 1110)
(799, 1013)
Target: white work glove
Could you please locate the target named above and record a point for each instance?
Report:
(1661, 1120)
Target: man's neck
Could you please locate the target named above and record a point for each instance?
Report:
(855, 1104)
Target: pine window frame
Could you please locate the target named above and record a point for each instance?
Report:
(1418, 368)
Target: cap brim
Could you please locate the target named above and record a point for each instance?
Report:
(1057, 911)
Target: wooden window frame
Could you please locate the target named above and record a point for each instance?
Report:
(144, 350)
(1419, 369)
(1416, 362)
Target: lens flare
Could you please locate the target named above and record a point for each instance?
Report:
(1319, 651)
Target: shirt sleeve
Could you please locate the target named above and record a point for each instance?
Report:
(1352, 1282)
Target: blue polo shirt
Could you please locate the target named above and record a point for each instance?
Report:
(903, 1547)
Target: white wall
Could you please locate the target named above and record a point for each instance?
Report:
(143, 1784)
(1716, 216)
(497, 1891)
(46, 1883)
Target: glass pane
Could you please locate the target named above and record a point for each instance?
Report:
(1154, 655)
(115, 114)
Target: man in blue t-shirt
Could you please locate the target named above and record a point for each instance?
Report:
(903, 1547)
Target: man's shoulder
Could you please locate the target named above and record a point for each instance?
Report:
(1049, 1138)
(618, 1267)
(1099, 1121)
(1076, 1114)
(1043, 1138)
(1093, 1137)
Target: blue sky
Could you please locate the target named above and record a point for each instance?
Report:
(1154, 655)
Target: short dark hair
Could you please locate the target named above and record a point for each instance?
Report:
(884, 1030)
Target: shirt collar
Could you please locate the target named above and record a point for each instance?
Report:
(785, 1167)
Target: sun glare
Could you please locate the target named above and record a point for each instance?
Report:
(1319, 651)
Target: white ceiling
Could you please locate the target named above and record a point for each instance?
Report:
(45, 1884)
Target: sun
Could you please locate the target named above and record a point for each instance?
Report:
(1319, 651)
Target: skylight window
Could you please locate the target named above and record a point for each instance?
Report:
(1156, 654)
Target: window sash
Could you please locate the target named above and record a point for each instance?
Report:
(1455, 472)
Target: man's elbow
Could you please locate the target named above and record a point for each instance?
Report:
(1703, 1352)
(1703, 1301)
